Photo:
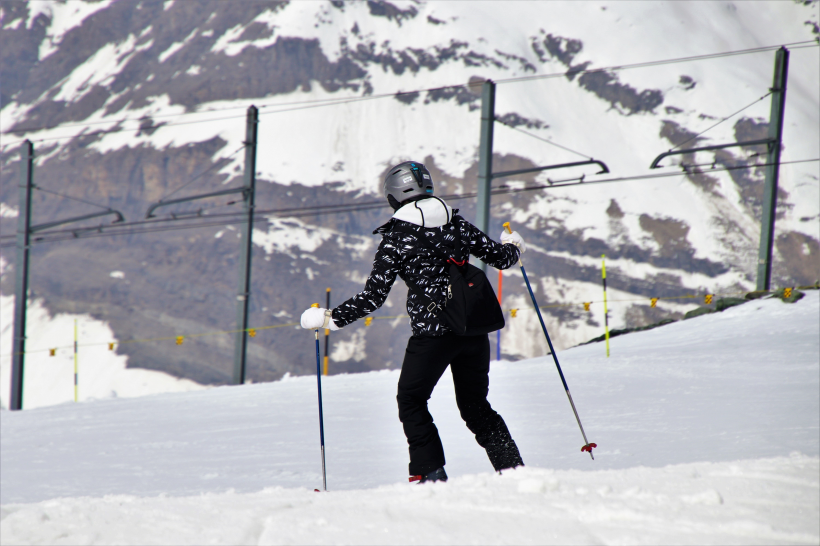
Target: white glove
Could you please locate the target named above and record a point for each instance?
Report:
(513, 239)
(316, 317)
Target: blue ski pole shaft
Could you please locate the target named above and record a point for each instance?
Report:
(321, 416)
(587, 446)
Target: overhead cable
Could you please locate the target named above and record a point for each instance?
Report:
(203, 173)
(225, 219)
(38, 188)
(721, 121)
(514, 128)
(338, 101)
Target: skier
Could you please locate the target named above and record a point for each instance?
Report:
(417, 243)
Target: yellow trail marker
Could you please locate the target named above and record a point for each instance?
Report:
(707, 299)
(606, 311)
(787, 292)
(513, 312)
(252, 332)
(52, 352)
(368, 321)
(653, 302)
(110, 346)
(180, 339)
(586, 305)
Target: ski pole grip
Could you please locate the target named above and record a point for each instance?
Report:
(317, 331)
(506, 226)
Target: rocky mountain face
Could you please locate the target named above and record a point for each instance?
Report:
(129, 101)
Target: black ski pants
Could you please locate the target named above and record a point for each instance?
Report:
(425, 360)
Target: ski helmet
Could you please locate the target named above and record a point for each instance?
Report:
(406, 181)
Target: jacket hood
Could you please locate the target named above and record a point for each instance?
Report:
(430, 212)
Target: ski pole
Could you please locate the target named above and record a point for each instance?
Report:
(587, 445)
(321, 417)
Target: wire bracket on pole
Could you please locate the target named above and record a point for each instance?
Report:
(657, 160)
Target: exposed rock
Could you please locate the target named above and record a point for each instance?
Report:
(698, 312)
(385, 9)
(514, 120)
(621, 331)
(613, 210)
(725, 303)
(687, 82)
(802, 253)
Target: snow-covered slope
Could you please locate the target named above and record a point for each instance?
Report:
(763, 501)
(174, 79)
(729, 400)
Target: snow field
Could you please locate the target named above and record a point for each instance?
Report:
(708, 432)
(50, 380)
(765, 501)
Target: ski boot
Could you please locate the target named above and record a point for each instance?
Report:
(435, 476)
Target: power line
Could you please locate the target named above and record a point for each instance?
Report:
(209, 169)
(72, 198)
(514, 128)
(721, 121)
(334, 102)
(763, 49)
(235, 218)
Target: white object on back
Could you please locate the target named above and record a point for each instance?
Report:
(432, 212)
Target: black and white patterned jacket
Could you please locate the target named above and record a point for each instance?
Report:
(400, 254)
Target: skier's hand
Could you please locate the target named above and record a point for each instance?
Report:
(315, 318)
(513, 239)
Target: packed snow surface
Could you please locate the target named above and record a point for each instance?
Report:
(708, 432)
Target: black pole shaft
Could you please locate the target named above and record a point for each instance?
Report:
(587, 445)
(244, 292)
(764, 261)
(485, 159)
(554, 356)
(321, 414)
(21, 275)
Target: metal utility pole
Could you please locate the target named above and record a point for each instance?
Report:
(21, 274)
(764, 261)
(243, 293)
(485, 159)
(24, 232)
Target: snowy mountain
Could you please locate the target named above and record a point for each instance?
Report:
(706, 433)
(129, 101)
